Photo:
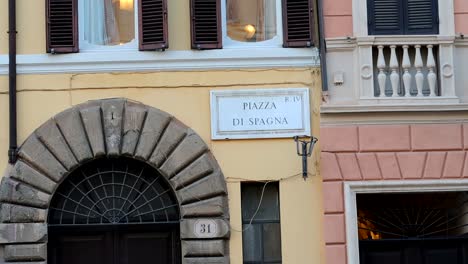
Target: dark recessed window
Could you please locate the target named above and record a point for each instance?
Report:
(402, 17)
(262, 235)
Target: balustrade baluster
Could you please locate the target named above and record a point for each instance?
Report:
(431, 76)
(382, 77)
(418, 63)
(394, 76)
(406, 64)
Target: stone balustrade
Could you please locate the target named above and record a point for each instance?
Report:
(406, 71)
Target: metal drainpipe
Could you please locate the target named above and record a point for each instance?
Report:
(12, 151)
(323, 49)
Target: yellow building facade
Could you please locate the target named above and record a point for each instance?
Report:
(177, 81)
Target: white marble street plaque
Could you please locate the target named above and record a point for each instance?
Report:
(260, 113)
(205, 228)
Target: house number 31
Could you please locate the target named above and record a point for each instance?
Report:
(205, 228)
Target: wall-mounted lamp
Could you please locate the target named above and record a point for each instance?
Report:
(305, 150)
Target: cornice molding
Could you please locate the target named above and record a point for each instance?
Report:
(91, 62)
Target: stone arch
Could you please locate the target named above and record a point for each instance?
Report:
(114, 127)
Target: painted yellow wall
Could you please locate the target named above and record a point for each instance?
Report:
(185, 94)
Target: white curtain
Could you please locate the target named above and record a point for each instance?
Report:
(270, 19)
(100, 24)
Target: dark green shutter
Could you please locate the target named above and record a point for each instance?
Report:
(298, 23)
(402, 17)
(422, 17)
(152, 18)
(62, 26)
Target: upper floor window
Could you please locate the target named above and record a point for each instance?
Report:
(100, 23)
(107, 22)
(403, 17)
(251, 21)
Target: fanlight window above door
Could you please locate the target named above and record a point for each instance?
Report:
(114, 191)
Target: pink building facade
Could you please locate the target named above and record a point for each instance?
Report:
(394, 120)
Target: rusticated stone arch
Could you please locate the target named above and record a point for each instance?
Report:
(113, 127)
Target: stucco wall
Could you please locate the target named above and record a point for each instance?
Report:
(338, 18)
(185, 94)
(384, 152)
(461, 16)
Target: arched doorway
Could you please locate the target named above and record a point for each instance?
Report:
(120, 132)
(116, 211)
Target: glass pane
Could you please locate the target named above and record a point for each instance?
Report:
(251, 195)
(252, 242)
(272, 242)
(251, 20)
(109, 22)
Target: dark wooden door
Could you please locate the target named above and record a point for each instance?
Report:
(114, 245)
(414, 251)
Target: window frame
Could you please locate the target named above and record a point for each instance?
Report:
(351, 189)
(250, 223)
(275, 42)
(85, 46)
(360, 19)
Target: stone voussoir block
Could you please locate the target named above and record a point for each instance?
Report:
(29, 252)
(204, 248)
(174, 133)
(188, 228)
(12, 213)
(112, 111)
(15, 192)
(153, 128)
(196, 170)
(189, 149)
(213, 207)
(71, 125)
(210, 185)
(53, 139)
(92, 121)
(25, 173)
(19, 233)
(134, 115)
(37, 154)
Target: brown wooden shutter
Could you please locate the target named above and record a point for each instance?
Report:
(62, 26)
(206, 24)
(152, 17)
(298, 23)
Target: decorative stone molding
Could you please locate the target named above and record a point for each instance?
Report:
(114, 127)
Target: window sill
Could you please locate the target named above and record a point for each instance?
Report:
(435, 106)
(398, 104)
(163, 61)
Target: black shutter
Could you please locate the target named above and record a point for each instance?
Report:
(206, 24)
(298, 23)
(62, 26)
(152, 19)
(402, 17)
(422, 17)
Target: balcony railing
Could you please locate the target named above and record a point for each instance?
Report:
(406, 71)
(403, 69)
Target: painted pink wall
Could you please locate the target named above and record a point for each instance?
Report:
(461, 16)
(384, 152)
(338, 18)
